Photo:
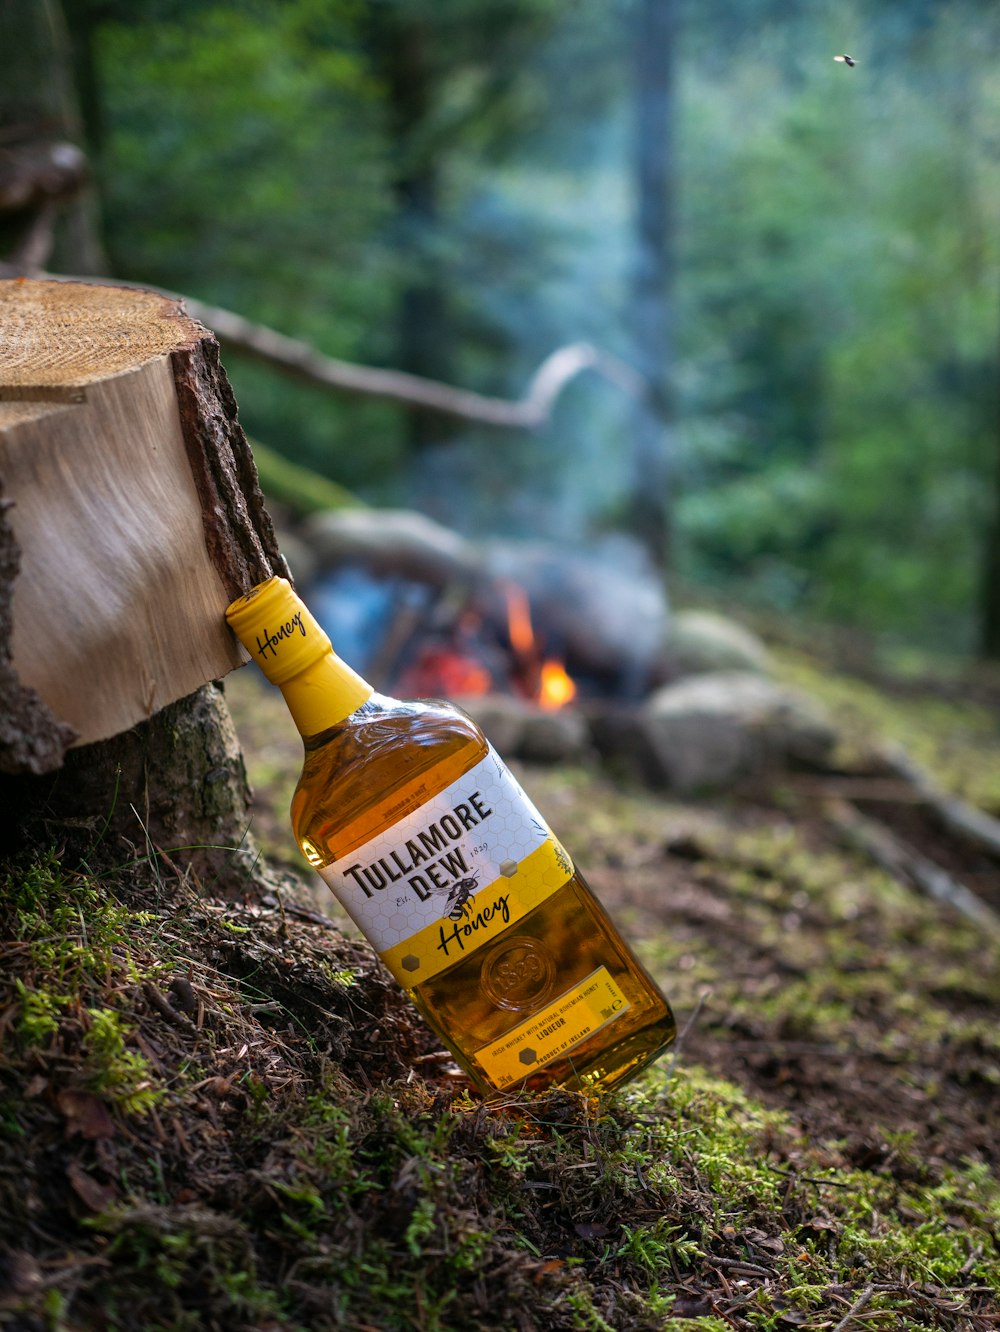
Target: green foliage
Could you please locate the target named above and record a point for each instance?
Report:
(71, 927)
(38, 1020)
(240, 135)
(124, 1076)
(840, 292)
(451, 183)
(178, 1252)
(243, 162)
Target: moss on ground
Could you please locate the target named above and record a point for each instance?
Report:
(951, 733)
(226, 1116)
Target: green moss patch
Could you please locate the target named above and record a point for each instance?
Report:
(219, 1115)
(227, 1116)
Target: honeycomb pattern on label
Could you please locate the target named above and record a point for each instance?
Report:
(432, 879)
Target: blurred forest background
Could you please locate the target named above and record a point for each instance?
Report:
(801, 257)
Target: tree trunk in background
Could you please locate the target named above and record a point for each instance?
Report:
(654, 30)
(989, 593)
(402, 48)
(48, 210)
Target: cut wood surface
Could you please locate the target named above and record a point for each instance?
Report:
(131, 513)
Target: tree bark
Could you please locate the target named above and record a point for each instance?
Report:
(172, 790)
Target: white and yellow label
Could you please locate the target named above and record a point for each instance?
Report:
(452, 874)
(554, 1031)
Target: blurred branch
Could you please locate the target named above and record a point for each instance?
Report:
(303, 361)
(908, 865)
(973, 825)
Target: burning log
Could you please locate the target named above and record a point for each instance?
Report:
(391, 543)
(568, 620)
(602, 613)
(539, 677)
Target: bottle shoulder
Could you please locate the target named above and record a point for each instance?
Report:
(363, 774)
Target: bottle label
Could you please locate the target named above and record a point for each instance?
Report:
(452, 874)
(563, 1024)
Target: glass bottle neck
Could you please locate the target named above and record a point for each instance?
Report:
(323, 694)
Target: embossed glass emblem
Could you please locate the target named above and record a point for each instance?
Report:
(518, 974)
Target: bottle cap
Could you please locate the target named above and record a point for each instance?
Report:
(277, 629)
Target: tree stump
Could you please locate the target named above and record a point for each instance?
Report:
(130, 516)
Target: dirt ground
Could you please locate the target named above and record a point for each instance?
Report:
(220, 1114)
(797, 967)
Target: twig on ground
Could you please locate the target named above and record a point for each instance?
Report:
(855, 1308)
(907, 864)
(971, 824)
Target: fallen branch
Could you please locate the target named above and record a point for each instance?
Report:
(908, 865)
(896, 779)
(973, 825)
(303, 361)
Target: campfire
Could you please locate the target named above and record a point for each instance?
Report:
(473, 660)
(559, 655)
(424, 613)
(541, 679)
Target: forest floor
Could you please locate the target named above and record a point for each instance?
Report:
(223, 1114)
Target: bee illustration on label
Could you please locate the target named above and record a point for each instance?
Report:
(459, 896)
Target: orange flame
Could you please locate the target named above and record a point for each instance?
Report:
(555, 688)
(519, 630)
(551, 688)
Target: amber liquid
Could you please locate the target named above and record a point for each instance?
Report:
(388, 758)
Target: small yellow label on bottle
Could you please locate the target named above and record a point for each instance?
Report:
(554, 1031)
(293, 650)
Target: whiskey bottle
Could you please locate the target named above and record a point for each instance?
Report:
(439, 857)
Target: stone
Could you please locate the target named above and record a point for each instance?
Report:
(716, 728)
(710, 731)
(554, 737)
(518, 728)
(699, 641)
